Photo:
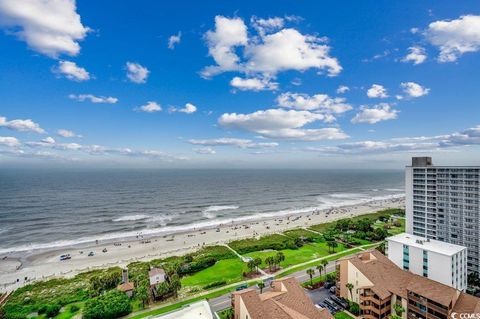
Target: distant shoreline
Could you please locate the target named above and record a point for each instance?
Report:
(44, 263)
(23, 250)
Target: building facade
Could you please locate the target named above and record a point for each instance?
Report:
(433, 259)
(377, 285)
(442, 203)
(285, 300)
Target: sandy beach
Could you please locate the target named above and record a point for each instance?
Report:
(20, 268)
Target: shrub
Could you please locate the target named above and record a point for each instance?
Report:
(74, 308)
(273, 242)
(215, 284)
(52, 310)
(111, 305)
(196, 266)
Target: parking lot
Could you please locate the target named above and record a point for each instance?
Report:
(324, 298)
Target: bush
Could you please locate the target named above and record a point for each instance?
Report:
(42, 309)
(111, 305)
(52, 310)
(215, 284)
(273, 242)
(74, 308)
(354, 308)
(196, 266)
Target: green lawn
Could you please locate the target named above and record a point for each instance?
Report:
(315, 263)
(230, 270)
(342, 315)
(297, 256)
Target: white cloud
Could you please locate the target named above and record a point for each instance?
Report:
(136, 73)
(51, 27)
(71, 71)
(67, 133)
(228, 141)
(189, 108)
(288, 49)
(327, 133)
(342, 89)
(9, 141)
(377, 91)
(455, 37)
(466, 137)
(279, 123)
(150, 107)
(50, 143)
(268, 25)
(94, 99)
(174, 40)
(21, 125)
(253, 84)
(413, 89)
(319, 102)
(375, 114)
(205, 151)
(228, 34)
(416, 55)
(268, 53)
(296, 81)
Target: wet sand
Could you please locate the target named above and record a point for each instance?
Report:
(20, 268)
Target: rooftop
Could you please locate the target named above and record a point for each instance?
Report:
(198, 310)
(156, 271)
(286, 301)
(388, 279)
(436, 246)
(128, 286)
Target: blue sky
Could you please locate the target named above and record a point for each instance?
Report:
(238, 84)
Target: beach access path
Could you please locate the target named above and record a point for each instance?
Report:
(21, 268)
(221, 302)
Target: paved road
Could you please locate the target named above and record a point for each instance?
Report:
(224, 302)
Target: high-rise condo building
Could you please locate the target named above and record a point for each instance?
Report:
(430, 258)
(442, 203)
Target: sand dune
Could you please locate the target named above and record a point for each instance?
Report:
(18, 269)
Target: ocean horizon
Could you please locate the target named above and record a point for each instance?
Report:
(47, 208)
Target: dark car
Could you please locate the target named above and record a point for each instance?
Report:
(342, 303)
(329, 302)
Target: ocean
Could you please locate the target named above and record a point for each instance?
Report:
(50, 208)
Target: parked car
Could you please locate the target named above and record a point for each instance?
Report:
(90, 254)
(332, 304)
(342, 303)
(245, 286)
(333, 289)
(65, 257)
(327, 285)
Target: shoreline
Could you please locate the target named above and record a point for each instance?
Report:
(23, 267)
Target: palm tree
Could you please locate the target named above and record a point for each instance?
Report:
(261, 285)
(257, 261)
(270, 261)
(349, 286)
(398, 309)
(320, 269)
(279, 257)
(334, 245)
(251, 265)
(325, 263)
(311, 272)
